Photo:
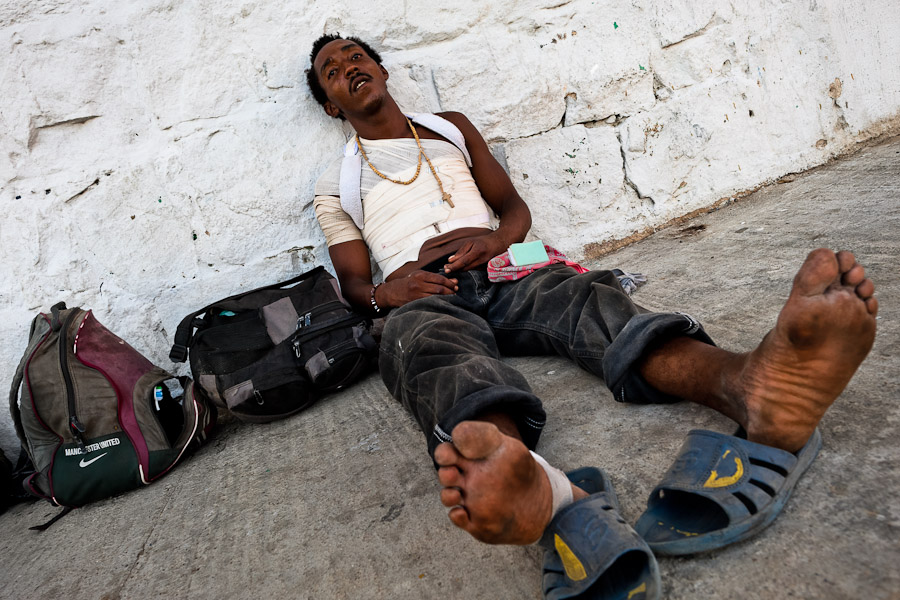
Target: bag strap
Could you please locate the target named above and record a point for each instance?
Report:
(47, 525)
(14, 398)
(185, 330)
(20, 372)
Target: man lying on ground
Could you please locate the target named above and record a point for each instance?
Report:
(416, 193)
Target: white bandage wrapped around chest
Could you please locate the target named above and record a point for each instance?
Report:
(351, 167)
(398, 219)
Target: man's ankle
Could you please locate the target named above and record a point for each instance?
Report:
(562, 489)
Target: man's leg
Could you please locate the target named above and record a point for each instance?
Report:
(778, 393)
(554, 311)
(439, 358)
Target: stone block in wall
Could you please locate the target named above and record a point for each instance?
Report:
(72, 102)
(501, 88)
(572, 180)
(601, 58)
(606, 67)
(677, 20)
(713, 54)
(622, 96)
(587, 65)
(399, 26)
(412, 87)
(199, 73)
(715, 139)
(863, 60)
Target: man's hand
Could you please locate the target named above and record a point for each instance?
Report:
(418, 284)
(498, 191)
(475, 251)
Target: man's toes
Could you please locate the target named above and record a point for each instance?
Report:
(476, 439)
(460, 517)
(846, 260)
(450, 476)
(854, 276)
(451, 496)
(865, 289)
(445, 455)
(872, 305)
(819, 270)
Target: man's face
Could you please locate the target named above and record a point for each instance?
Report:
(353, 82)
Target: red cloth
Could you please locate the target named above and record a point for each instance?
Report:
(500, 268)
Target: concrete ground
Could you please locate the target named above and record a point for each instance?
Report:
(341, 501)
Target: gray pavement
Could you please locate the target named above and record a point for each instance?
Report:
(341, 501)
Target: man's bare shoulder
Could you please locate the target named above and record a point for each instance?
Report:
(474, 142)
(458, 119)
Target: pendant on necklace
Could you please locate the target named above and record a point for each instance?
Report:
(446, 198)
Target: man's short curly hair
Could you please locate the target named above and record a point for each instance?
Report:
(312, 78)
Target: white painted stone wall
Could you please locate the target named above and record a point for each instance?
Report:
(158, 155)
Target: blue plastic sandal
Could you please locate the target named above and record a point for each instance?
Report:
(721, 489)
(592, 553)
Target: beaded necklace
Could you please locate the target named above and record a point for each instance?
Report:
(444, 195)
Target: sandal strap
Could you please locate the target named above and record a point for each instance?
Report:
(735, 473)
(587, 537)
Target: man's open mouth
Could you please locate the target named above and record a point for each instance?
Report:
(358, 83)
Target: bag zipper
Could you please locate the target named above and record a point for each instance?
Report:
(357, 368)
(345, 352)
(305, 320)
(336, 353)
(75, 425)
(322, 329)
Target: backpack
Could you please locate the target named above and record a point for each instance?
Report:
(95, 417)
(268, 353)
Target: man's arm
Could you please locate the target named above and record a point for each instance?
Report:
(498, 191)
(350, 258)
(354, 271)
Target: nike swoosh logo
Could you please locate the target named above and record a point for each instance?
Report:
(85, 463)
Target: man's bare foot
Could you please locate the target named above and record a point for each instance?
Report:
(823, 333)
(494, 488)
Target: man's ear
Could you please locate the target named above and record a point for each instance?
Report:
(384, 72)
(331, 110)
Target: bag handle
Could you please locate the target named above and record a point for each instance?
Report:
(185, 330)
(55, 323)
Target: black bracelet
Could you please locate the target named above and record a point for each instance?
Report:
(372, 299)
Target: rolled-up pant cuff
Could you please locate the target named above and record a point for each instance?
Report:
(524, 408)
(640, 334)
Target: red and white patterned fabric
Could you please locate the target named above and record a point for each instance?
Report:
(500, 268)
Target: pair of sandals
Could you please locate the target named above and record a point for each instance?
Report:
(720, 489)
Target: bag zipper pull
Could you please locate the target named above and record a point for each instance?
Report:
(77, 431)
